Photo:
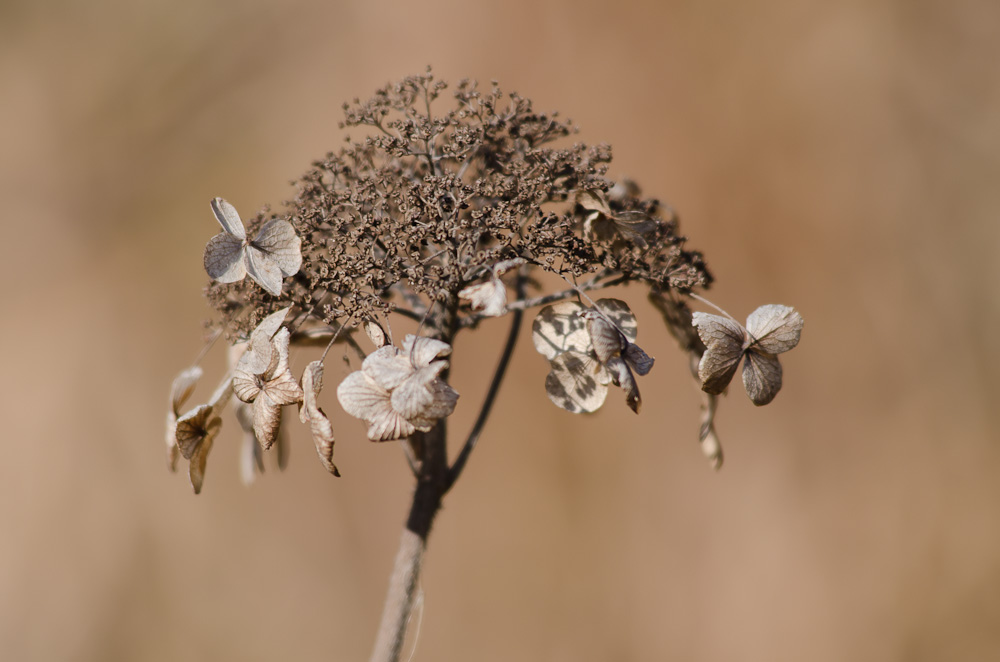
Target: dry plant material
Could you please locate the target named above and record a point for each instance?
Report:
(443, 210)
(587, 349)
(269, 390)
(400, 391)
(319, 424)
(770, 330)
(230, 255)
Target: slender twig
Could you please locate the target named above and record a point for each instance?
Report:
(592, 284)
(456, 469)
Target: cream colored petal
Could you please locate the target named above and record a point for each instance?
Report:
(191, 429)
(442, 404)
(277, 240)
(414, 395)
(228, 218)
(361, 397)
(761, 377)
(263, 270)
(641, 362)
(559, 328)
(624, 378)
(224, 259)
(619, 314)
(774, 329)
(387, 367)
(279, 355)
(489, 298)
(375, 333)
(196, 470)
(258, 356)
(575, 383)
(422, 350)
(266, 420)
(246, 385)
(389, 425)
(724, 340)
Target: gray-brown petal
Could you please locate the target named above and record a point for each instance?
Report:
(192, 428)
(180, 391)
(278, 241)
(422, 350)
(559, 328)
(228, 218)
(576, 382)
(774, 329)
(623, 377)
(263, 270)
(618, 312)
(375, 333)
(223, 259)
(724, 341)
(594, 200)
(196, 470)
(640, 362)
(761, 377)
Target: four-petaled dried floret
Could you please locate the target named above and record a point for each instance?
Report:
(770, 330)
(400, 391)
(587, 349)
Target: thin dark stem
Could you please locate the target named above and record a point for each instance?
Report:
(456, 469)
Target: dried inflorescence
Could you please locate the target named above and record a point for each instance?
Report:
(435, 212)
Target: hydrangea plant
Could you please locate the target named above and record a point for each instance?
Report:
(447, 210)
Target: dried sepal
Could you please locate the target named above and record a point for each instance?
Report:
(269, 391)
(603, 224)
(400, 391)
(770, 330)
(230, 256)
(257, 355)
(587, 349)
(577, 382)
(180, 392)
(375, 333)
(319, 423)
(199, 460)
(490, 297)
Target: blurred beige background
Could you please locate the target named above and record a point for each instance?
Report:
(842, 157)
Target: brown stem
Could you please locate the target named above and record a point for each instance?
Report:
(431, 486)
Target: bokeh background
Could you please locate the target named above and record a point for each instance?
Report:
(842, 157)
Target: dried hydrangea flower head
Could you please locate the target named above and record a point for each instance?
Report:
(448, 211)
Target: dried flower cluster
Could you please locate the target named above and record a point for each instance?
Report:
(447, 213)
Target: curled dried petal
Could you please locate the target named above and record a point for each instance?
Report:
(422, 350)
(319, 424)
(229, 218)
(723, 340)
(489, 298)
(641, 362)
(196, 470)
(623, 377)
(193, 427)
(180, 391)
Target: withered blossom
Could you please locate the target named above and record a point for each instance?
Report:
(180, 391)
(770, 330)
(417, 218)
(490, 297)
(230, 255)
(269, 390)
(195, 432)
(587, 349)
(400, 391)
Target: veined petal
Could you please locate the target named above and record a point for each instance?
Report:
(361, 397)
(223, 258)
(196, 470)
(724, 341)
(620, 315)
(490, 297)
(263, 269)
(277, 240)
(192, 428)
(319, 424)
(228, 218)
(774, 329)
(761, 377)
(422, 350)
(266, 419)
(606, 340)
